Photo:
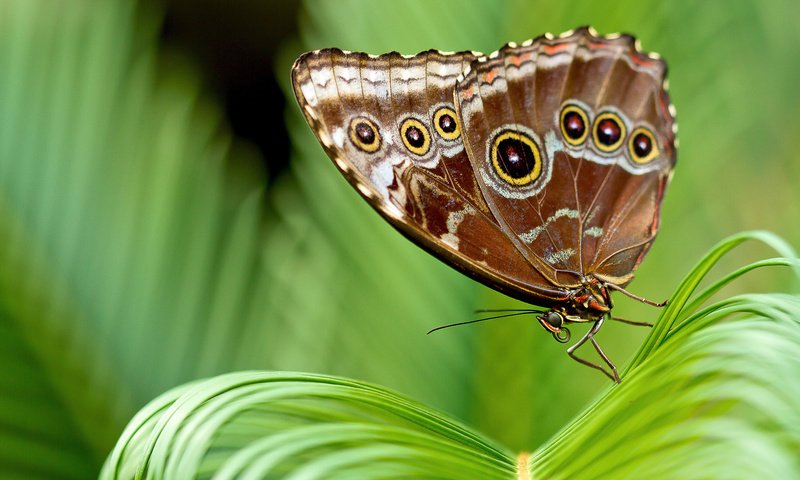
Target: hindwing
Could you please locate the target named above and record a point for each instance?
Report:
(578, 112)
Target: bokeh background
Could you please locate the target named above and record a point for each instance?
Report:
(167, 215)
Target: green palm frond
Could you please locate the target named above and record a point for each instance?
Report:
(711, 395)
(303, 413)
(119, 221)
(698, 383)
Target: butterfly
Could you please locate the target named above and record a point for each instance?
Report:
(538, 170)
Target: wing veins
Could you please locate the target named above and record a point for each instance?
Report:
(629, 247)
(482, 215)
(516, 118)
(597, 194)
(617, 219)
(602, 91)
(575, 174)
(515, 240)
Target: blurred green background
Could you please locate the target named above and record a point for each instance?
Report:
(166, 214)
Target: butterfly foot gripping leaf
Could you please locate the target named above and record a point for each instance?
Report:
(538, 170)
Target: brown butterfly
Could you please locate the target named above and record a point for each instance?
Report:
(538, 170)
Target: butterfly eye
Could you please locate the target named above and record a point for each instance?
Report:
(446, 124)
(516, 158)
(415, 136)
(364, 134)
(554, 322)
(554, 319)
(573, 124)
(643, 146)
(609, 131)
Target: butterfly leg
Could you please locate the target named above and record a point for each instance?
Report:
(607, 360)
(631, 322)
(635, 297)
(590, 336)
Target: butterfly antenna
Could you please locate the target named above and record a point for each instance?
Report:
(484, 319)
(496, 310)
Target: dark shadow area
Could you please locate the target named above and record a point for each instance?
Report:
(235, 45)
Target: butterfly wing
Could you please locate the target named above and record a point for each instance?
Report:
(572, 141)
(389, 124)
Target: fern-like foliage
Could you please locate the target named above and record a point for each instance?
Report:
(711, 394)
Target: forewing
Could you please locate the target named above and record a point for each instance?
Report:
(389, 124)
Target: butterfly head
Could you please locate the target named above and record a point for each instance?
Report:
(553, 322)
(587, 302)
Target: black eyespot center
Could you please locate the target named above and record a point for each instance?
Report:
(365, 133)
(642, 145)
(608, 131)
(516, 158)
(415, 136)
(447, 123)
(573, 125)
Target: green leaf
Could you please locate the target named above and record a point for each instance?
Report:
(258, 424)
(116, 212)
(711, 395)
(699, 394)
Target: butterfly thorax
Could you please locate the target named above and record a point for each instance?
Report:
(588, 302)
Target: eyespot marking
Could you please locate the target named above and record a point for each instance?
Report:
(574, 124)
(364, 134)
(415, 136)
(445, 123)
(608, 132)
(516, 158)
(642, 146)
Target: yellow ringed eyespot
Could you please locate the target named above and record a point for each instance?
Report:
(643, 146)
(516, 158)
(444, 120)
(608, 132)
(415, 136)
(574, 124)
(364, 134)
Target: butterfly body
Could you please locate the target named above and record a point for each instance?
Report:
(538, 170)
